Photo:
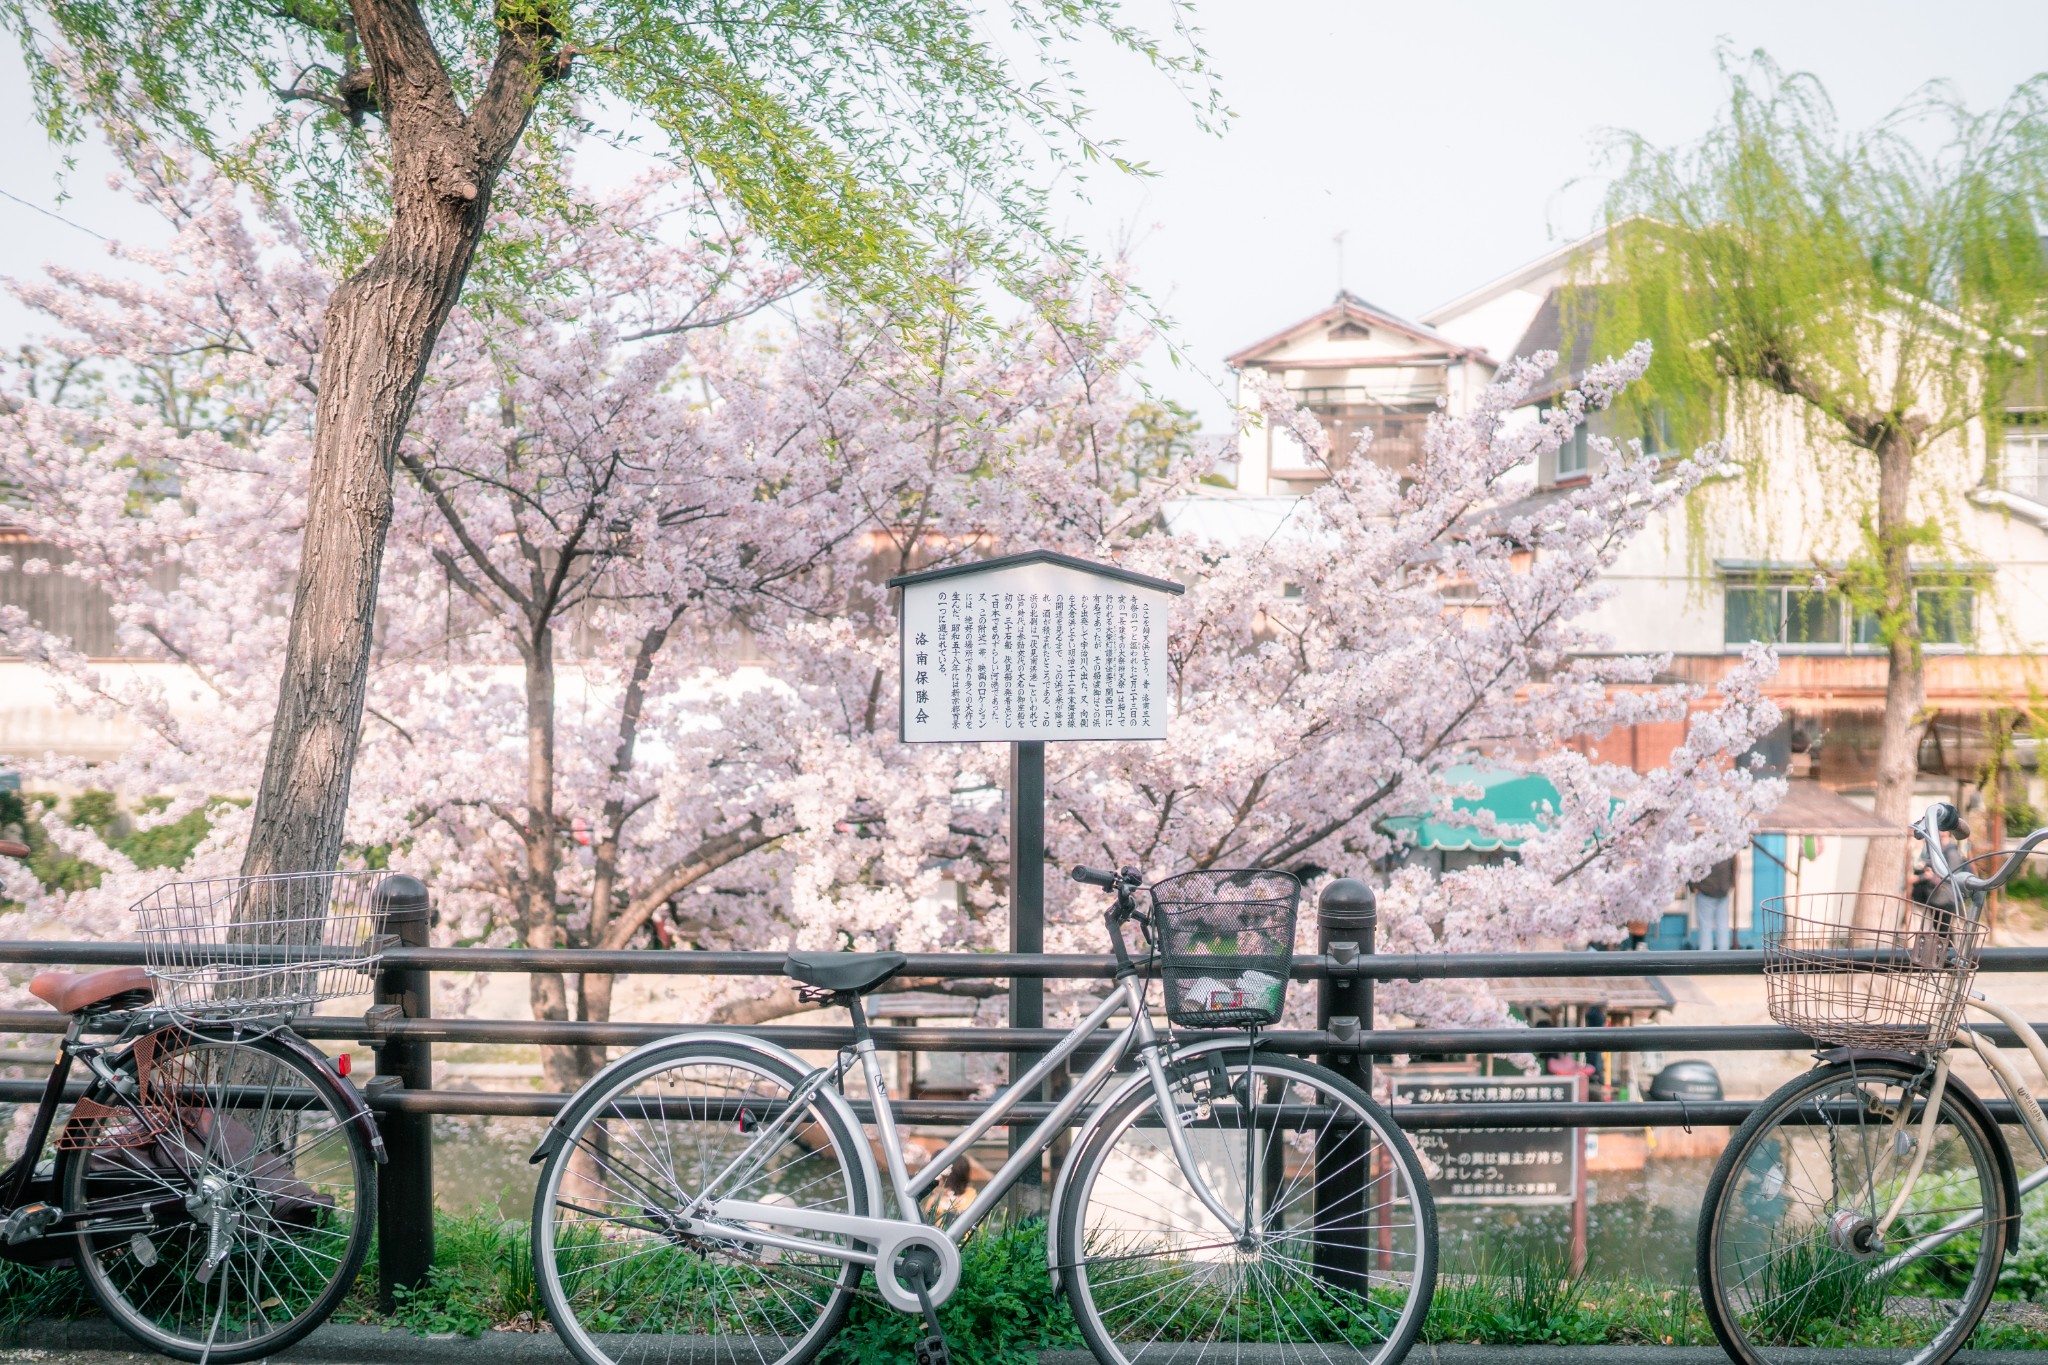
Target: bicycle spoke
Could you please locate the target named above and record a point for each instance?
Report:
(1176, 1282)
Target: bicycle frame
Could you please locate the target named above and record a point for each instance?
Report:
(1962, 885)
(2007, 1075)
(889, 1236)
(18, 1180)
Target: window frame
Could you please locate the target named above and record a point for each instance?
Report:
(1779, 614)
(1853, 633)
(2025, 432)
(1967, 643)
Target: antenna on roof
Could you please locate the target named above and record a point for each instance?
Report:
(1339, 240)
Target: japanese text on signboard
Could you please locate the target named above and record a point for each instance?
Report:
(1495, 1165)
(1002, 660)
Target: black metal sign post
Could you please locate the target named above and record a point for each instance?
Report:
(1029, 648)
(1027, 906)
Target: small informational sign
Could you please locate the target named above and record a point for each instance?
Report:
(1035, 646)
(1495, 1165)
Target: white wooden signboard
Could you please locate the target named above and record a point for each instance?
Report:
(1034, 646)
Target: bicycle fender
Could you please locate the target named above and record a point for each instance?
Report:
(558, 1132)
(1095, 1118)
(359, 1116)
(2008, 1174)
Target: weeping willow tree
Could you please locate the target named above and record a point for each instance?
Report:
(1883, 287)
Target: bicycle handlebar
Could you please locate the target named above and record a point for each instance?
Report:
(1122, 910)
(1943, 818)
(10, 849)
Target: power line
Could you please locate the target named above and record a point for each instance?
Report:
(48, 214)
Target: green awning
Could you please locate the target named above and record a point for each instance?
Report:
(1513, 799)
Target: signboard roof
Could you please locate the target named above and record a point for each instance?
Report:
(1039, 557)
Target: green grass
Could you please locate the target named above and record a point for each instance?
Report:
(1514, 1294)
(1510, 1293)
(31, 1292)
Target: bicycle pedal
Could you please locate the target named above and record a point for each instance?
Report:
(933, 1351)
(29, 1222)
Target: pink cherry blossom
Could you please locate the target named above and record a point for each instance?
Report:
(642, 531)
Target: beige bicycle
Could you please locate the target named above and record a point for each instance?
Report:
(1870, 1202)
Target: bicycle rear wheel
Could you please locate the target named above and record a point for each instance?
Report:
(1339, 1262)
(1788, 1255)
(263, 1194)
(621, 1270)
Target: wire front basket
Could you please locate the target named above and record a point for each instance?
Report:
(1859, 970)
(1226, 941)
(275, 946)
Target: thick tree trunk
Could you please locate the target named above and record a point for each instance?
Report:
(380, 329)
(595, 988)
(1905, 692)
(547, 992)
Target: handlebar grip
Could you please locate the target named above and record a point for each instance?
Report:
(1947, 818)
(10, 849)
(1089, 876)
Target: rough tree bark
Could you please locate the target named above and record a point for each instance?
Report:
(547, 992)
(595, 988)
(1905, 690)
(381, 325)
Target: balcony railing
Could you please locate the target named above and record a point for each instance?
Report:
(1396, 436)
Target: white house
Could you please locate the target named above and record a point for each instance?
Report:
(1748, 560)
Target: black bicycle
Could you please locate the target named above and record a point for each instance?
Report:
(215, 1181)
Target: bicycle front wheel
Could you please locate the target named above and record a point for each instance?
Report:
(1338, 1257)
(229, 1219)
(623, 1270)
(1790, 1255)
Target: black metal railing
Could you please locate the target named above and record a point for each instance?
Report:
(403, 1033)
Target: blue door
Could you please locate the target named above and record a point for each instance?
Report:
(1766, 882)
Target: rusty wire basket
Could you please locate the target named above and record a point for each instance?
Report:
(1858, 970)
(275, 946)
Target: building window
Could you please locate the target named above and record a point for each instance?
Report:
(2024, 469)
(1783, 614)
(1752, 614)
(1573, 458)
(1577, 457)
(1812, 617)
(1656, 431)
(1948, 617)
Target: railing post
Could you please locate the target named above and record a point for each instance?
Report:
(1346, 919)
(405, 1184)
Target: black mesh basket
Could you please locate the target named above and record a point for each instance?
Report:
(1226, 940)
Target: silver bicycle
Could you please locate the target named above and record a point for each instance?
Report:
(1870, 1202)
(713, 1185)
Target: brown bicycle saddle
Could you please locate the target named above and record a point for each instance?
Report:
(73, 992)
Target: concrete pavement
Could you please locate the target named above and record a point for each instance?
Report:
(91, 1342)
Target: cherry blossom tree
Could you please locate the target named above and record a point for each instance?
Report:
(635, 684)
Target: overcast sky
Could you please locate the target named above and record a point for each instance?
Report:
(1439, 136)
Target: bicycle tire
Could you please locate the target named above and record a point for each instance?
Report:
(1779, 1246)
(297, 1207)
(627, 1309)
(1346, 1285)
